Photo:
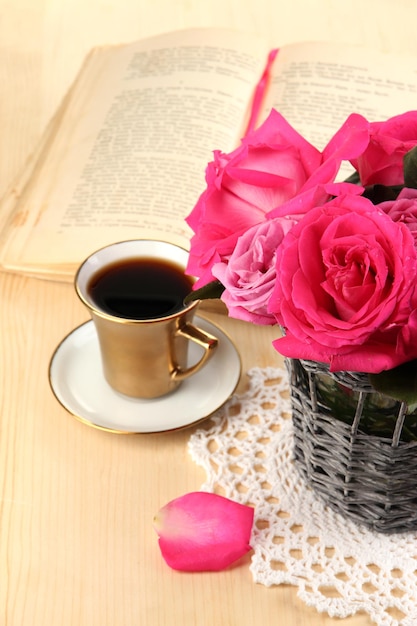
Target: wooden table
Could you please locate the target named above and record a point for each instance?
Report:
(77, 547)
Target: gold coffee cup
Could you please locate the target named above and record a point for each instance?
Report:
(134, 291)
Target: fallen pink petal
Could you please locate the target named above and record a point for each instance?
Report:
(203, 531)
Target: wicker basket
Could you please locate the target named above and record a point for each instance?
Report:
(357, 448)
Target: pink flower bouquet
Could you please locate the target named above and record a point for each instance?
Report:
(332, 264)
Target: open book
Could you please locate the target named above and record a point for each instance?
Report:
(125, 155)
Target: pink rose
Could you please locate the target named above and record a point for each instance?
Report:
(346, 290)
(382, 161)
(403, 209)
(272, 165)
(249, 274)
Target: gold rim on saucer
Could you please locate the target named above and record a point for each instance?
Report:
(76, 380)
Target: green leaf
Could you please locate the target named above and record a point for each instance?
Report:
(353, 179)
(381, 193)
(212, 290)
(399, 383)
(410, 168)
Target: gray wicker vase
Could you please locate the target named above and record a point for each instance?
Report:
(356, 448)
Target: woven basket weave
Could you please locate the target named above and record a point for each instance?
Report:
(357, 448)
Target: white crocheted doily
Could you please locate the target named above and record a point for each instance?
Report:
(339, 567)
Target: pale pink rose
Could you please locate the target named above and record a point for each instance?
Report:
(202, 531)
(389, 141)
(346, 290)
(249, 274)
(272, 165)
(403, 209)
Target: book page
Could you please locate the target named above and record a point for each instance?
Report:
(316, 86)
(127, 154)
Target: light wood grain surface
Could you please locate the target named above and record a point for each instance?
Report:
(77, 546)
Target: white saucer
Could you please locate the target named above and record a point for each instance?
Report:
(77, 380)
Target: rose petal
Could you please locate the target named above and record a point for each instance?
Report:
(203, 532)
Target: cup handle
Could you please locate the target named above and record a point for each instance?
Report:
(203, 339)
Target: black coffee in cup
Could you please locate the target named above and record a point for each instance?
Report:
(142, 288)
